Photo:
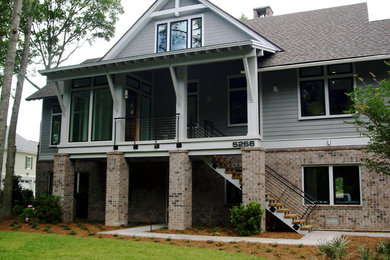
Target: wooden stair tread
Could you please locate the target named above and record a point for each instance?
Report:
(276, 204)
(271, 199)
(283, 210)
(307, 227)
(299, 221)
(291, 216)
(268, 194)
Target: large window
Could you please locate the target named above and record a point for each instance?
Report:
(102, 115)
(333, 185)
(178, 35)
(237, 101)
(85, 92)
(323, 90)
(56, 117)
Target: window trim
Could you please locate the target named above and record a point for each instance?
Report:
(325, 78)
(228, 99)
(331, 184)
(189, 31)
(91, 88)
(51, 125)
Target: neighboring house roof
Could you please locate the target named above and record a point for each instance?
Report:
(46, 92)
(23, 145)
(322, 35)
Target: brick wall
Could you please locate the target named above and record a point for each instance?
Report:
(44, 168)
(180, 191)
(373, 214)
(117, 190)
(63, 185)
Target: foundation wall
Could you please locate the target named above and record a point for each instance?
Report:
(374, 212)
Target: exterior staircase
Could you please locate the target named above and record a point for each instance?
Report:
(283, 199)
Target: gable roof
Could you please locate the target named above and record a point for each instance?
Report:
(323, 35)
(22, 144)
(46, 92)
(157, 5)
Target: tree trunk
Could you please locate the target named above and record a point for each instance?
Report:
(6, 209)
(8, 73)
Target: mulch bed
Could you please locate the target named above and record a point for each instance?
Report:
(270, 251)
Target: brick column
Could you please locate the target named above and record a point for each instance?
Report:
(180, 191)
(117, 190)
(63, 185)
(253, 177)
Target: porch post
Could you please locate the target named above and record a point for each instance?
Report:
(253, 177)
(250, 65)
(179, 79)
(117, 190)
(180, 191)
(63, 185)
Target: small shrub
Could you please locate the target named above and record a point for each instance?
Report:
(334, 249)
(219, 244)
(91, 234)
(247, 219)
(383, 249)
(72, 233)
(65, 227)
(47, 228)
(28, 214)
(48, 209)
(35, 226)
(365, 253)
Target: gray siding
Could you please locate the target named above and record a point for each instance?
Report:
(281, 109)
(45, 149)
(216, 31)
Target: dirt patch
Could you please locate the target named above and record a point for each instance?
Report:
(270, 251)
(227, 232)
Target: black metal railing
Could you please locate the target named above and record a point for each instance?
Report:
(147, 129)
(289, 194)
(207, 130)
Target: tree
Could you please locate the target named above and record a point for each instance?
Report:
(371, 108)
(9, 66)
(6, 209)
(63, 26)
(243, 17)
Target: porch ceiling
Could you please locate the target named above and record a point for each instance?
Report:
(202, 55)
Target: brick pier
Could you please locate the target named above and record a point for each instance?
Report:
(180, 191)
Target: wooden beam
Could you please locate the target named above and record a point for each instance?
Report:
(178, 10)
(59, 97)
(175, 84)
(112, 90)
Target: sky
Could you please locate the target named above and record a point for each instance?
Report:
(30, 112)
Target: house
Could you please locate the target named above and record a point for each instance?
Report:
(193, 111)
(25, 162)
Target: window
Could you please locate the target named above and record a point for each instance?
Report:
(333, 185)
(237, 101)
(28, 163)
(179, 35)
(94, 96)
(56, 118)
(102, 115)
(323, 90)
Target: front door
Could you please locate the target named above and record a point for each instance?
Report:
(132, 116)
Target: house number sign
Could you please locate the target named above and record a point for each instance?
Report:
(241, 144)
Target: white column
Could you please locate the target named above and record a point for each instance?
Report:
(179, 79)
(250, 65)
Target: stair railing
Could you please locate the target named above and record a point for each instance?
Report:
(289, 194)
(207, 130)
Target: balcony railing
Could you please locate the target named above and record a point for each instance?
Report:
(207, 130)
(147, 129)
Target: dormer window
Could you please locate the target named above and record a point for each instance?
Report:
(179, 35)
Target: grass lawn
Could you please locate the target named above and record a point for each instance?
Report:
(18, 245)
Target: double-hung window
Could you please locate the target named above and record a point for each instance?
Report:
(180, 34)
(237, 101)
(56, 117)
(333, 185)
(85, 92)
(323, 89)
(28, 163)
